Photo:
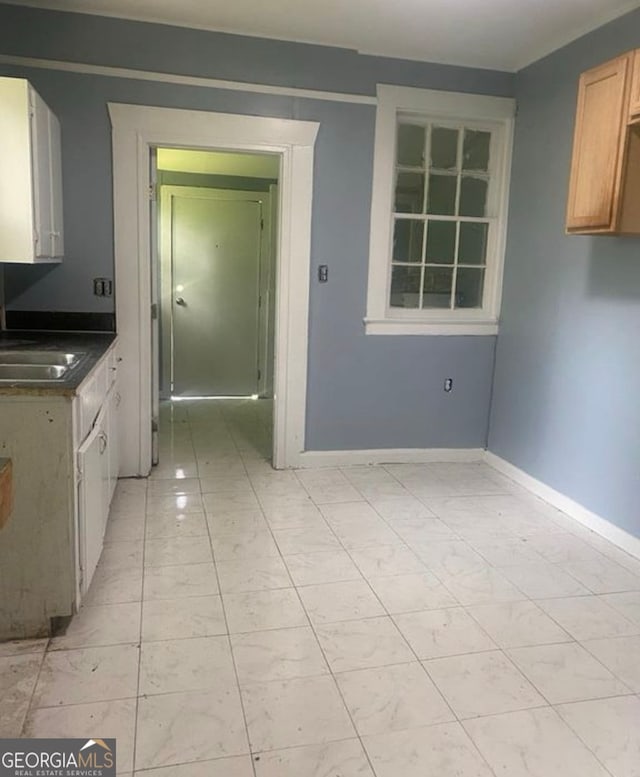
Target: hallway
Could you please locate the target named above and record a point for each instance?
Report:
(396, 621)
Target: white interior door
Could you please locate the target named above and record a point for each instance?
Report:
(215, 262)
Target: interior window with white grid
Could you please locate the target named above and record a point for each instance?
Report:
(441, 226)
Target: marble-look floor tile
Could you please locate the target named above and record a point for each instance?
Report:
(543, 581)
(247, 544)
(361, 534)
(482, 684)
(223, 502)
(620, 655)
(196, 664)
(517, 624)
(333, 759)
(125, 527)
(447, 559)
(603, 576)
(627, 603)
(122, 555)
(313, 539)
(213, 727)
(294, 516)
(345, 601)
(105, 624)
(383, 560)
(419, 533)
(198, 616)
(177, 550)
(279, 714)
(362, 644)
(482, 585)
(236, 522)
(444, 750)
(279, 654)
(507, 552)
(176, 525)
(567, 672)
(610, 728)
(532, 743)
(180, 581)
(174, 487)
(446, 632)
(410, 593)
(174, 503)
(400, 507)
(256, 574)
(392, 698)
(260, 610)
(236, 766)
(563, 548)
(327, 567)
(588, 617)
(87, 675)
(19, 647)
(18, 675)
(114, 586)
(113, 719)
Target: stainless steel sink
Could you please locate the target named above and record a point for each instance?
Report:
(15, 356)
(38, 373)
(37, 366)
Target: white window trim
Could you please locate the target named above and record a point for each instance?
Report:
(392, 100)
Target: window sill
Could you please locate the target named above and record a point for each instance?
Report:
(390, 326)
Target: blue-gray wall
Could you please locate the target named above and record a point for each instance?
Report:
(364, 392)
(566, 405)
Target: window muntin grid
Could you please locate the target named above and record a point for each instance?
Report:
(441, 224)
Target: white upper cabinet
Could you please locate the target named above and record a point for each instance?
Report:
(31, 228)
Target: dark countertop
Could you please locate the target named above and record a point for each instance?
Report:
(93, 344)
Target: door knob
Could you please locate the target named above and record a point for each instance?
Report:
(180, 301)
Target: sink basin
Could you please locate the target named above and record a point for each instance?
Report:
(21, 373)
(61, 358)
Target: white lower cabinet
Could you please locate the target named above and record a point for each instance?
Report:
(97, 476)
(64, 451)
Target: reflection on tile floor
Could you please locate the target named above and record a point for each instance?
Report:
(396, 621)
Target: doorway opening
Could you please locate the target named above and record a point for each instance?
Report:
(214, 278)
(135, 130)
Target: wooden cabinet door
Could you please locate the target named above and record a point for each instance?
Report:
(634, 102)
(598, 147)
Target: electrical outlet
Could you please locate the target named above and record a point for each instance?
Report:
(102, 287)
(448, 384)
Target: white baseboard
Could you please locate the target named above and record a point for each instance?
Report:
(619, 537)
(386, 456)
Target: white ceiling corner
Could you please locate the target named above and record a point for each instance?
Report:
(496, 34)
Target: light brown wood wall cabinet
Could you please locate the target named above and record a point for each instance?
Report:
(604, 188)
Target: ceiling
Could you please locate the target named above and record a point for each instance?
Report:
(500, 34)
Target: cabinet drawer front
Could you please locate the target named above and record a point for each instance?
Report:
(598, 146)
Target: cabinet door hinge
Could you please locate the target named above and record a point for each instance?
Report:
(154, 311)
(154, 425)
(153, 192)
(259, 374)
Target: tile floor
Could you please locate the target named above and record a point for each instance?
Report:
(397, 621)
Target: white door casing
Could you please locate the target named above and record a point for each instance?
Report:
(136, 129)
